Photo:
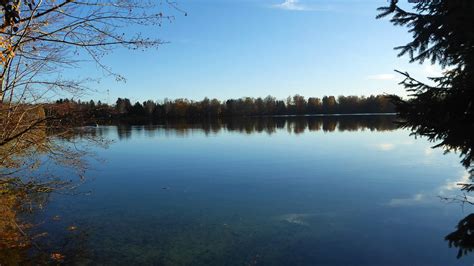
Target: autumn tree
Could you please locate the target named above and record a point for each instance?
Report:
(300, 104)
(39, 40)
(149, 107)
(314, 105)
(329, 104)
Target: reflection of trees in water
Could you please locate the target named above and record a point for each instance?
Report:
(123, 132)
(330, 125)
(29, 173)
(463, 237)
(269, 125)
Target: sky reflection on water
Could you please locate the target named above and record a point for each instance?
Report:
(285, 191)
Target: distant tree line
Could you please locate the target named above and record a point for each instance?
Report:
(246, 106)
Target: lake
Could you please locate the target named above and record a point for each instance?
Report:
(334, 190)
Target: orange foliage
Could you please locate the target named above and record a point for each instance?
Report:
(10, 230)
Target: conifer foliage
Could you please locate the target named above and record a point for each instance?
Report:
(443, 33)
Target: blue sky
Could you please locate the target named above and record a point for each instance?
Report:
(230, 49)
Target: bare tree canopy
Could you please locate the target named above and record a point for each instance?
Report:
(39, 39)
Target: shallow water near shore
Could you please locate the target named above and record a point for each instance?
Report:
(266, 191)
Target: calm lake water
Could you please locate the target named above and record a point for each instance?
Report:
(347, 190)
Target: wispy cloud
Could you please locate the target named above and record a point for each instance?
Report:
(386, 146)
(296, 5)
(428, 151)
(454, 185)
(291, 5)
(448, 190)
(415, 199)
(381, 77)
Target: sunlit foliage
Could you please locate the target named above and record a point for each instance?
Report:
(247, 106)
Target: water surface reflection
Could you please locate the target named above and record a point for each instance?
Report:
(269, 125)
(338, 190)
